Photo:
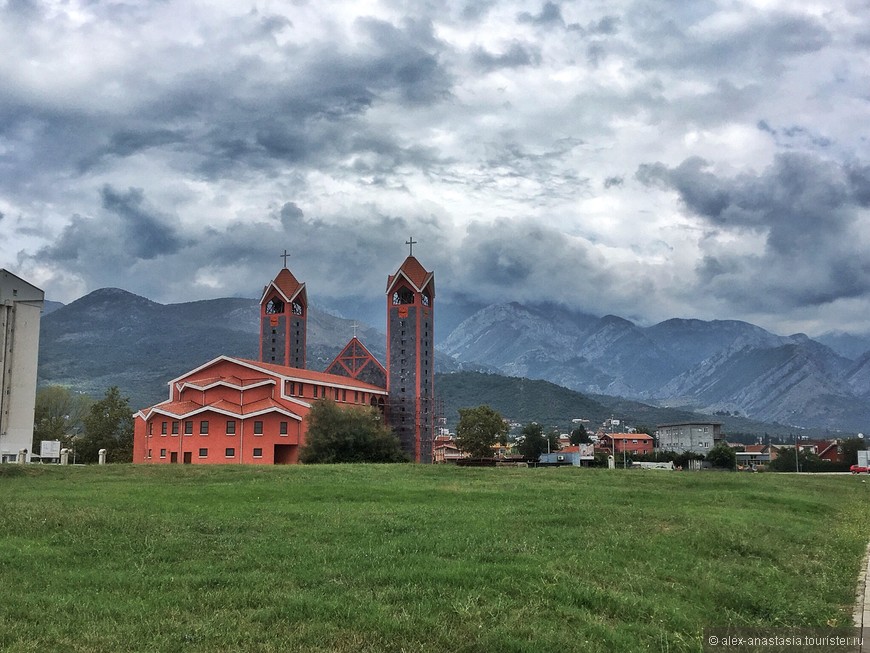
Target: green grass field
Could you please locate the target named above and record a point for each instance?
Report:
(413, 558)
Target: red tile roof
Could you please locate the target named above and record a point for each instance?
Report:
(287, 284)
(181, 409)
(413, 271)
(311, 375)
(628, 436)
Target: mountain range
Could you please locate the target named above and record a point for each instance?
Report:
(720, 366)
(728, 368)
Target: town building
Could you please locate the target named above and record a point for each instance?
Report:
(233, 410)
(694, 437)
(755, 454)
(629, 443)
(20, 310)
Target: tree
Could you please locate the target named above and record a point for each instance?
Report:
(580, 436)
(108, 425)
(59, 415)
(850, 449)
(478, 429)
(348, 435)
(533, 443)
(722, 456)
(552, 439)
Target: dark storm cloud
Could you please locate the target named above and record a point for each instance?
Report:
(341, 258)
(759, 45)
(126, 141)
(146, 232)
(523, 260)
(807, 210)
(795, 136)
(550, 14)
(128, 229)
(236, 115)
(516, 56)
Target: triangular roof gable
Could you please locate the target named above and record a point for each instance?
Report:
(299, 374)
(286, 285)
(415, 274)
(354, 358)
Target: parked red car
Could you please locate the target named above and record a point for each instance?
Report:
(859, 469)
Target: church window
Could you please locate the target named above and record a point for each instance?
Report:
(203, 427)
(163, 428)
(403, 296)
(258, 452)
(335, 393)
(426, 299)
(292, 390)
(174, 428)
(274, 331)
(231, 427)
(258, 428)
(188, 427)
(150, 428)
(230, 452)
(163, 453)
(149, 453)
(301, 389)
(203, 453)
(274, 306)
(283, 428)
(344, 395)
(298, 309)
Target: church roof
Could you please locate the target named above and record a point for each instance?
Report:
(286, 284)
(414, 272)
(184, 409)
(353, 358)
(314, 377)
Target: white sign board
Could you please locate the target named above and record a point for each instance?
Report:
(587, 451)
(49, 449)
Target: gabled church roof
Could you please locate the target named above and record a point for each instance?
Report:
(353, 360)
(413, 272)
(286, 284)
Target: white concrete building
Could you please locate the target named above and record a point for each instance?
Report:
(20, 310)
(697, 437)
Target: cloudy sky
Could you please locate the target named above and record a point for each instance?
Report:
(649, 159)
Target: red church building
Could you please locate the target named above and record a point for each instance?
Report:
(233, 410)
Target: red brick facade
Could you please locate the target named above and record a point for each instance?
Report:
(232, 410)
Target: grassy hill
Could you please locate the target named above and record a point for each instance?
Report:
(372, 558)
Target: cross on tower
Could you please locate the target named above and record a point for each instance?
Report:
(355, 327)
(411, 242)
(285, 256)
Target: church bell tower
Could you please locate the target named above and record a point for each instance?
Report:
(411, 356)
(283, 320)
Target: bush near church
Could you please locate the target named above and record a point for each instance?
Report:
(349, 435)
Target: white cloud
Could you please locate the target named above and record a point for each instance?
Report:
(487, 130)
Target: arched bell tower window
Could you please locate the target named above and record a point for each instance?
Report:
(426, 299)
(403, 296)
(275, 306)
(298, 308)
